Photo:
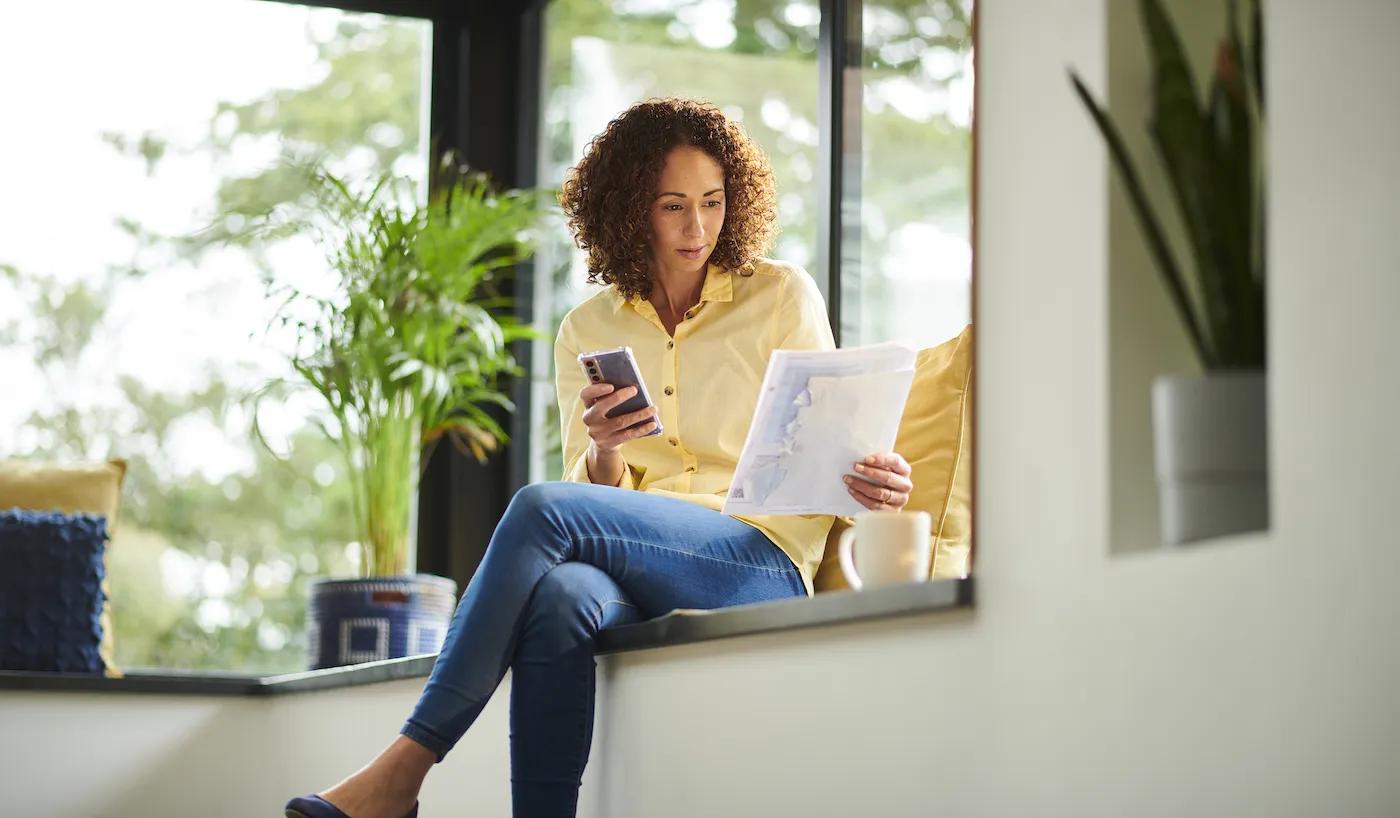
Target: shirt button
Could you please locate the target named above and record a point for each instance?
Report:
(690, 469)
(674, 442)
(670, 344)
(690, 315)
(670, 391)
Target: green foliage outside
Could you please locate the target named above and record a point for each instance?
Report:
(260, 534)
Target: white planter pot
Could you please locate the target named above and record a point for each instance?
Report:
(1211, 446)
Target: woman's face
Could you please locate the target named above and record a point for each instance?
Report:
(688, 211)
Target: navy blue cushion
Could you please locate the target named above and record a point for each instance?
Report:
(51, 572)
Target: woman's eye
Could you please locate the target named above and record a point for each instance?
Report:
(715, 203)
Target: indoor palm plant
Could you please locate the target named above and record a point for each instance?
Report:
(1210, 442)
(406, 350)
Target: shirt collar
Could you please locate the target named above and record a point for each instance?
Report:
(719, 286)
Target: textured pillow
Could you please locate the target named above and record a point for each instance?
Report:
(935, 437)
(51, 597)
(91, 488)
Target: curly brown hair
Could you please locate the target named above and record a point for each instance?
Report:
(608, 196)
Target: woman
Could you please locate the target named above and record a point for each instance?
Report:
(674, 205)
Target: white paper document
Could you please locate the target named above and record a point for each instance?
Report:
(818, 413)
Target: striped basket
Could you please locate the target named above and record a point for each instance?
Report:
(350, 621)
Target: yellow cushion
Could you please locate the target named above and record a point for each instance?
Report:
(935, 436)
(92, 488)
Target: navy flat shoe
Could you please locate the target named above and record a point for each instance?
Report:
(314, 806)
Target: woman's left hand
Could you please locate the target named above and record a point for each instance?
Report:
(890, 491)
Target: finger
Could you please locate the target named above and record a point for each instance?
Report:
(641, 430)
(593, 391)
(624, 435)
(870, 503)
(613, 399)
(598, 412)
(894, 499)
(605, 430)
(874, 490)
(621, 422)
(889, 461)
(884, 477)
(880, 494)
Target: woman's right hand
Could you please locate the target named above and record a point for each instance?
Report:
(610, 433)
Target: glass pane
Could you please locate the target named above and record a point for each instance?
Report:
(756, 59)
(133, 317)
(913, 274)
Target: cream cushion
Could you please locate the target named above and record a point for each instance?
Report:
(92, 488)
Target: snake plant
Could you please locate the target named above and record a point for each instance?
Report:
(1211, 148)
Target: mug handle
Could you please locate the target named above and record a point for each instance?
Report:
(844, 554)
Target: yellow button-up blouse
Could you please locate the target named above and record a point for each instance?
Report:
(705, 382)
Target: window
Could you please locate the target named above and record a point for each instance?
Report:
(603, 55)
(133, 318)
(907, 267)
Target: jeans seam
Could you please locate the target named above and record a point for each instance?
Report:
(596, 538)
(588, 699)
(608, 602)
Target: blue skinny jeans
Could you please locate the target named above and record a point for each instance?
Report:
(566, 561)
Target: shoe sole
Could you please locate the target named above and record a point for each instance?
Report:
(295, 813)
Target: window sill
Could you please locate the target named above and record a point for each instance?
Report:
(214, 683)
(833, 608)
(679, 628)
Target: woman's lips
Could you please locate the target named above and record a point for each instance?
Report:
(693, 253)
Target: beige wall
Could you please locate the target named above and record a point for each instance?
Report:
(1257, 677)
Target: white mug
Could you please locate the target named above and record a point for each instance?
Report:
(886, 548)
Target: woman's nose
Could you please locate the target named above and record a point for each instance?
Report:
(693, 225)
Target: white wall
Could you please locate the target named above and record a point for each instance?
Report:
(1258, 677)
(67, 755)
(83, 756)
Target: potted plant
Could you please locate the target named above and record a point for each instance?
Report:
(407, 350)
(1210, 440)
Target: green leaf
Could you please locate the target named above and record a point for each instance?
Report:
(1232, 177)
(410, 345)
(1147, 222)
(1181, 134)
(412, 366)
(1256, 25)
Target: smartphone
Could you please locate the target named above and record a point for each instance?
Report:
(618, 368)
